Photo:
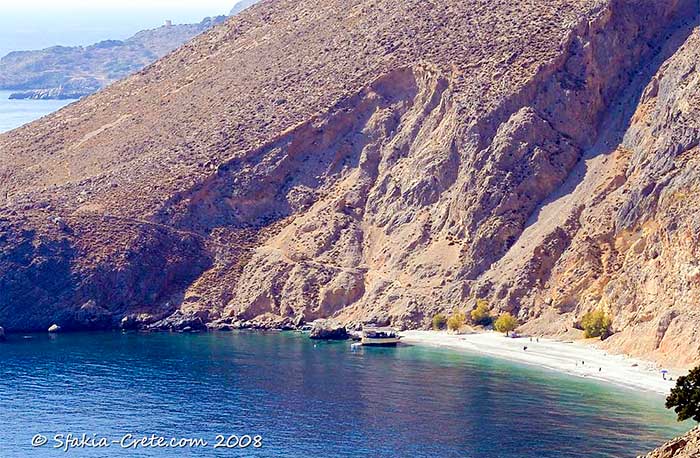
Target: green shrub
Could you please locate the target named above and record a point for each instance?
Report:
(506, 323)
(456, 321)
(439, 322)
(481, 315)
(596, 324)
(685, 397)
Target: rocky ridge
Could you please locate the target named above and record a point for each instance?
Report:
(398, 161)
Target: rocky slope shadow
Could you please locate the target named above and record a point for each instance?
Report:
(634, 248)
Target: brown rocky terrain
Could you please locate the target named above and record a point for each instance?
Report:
(687, 446)
(375, 159)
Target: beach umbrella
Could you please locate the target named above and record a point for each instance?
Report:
(663, 373)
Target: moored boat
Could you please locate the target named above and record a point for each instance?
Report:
(380, 336)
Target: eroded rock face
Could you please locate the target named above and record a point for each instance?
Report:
(385, 164)
(634, 248)
(687, 446)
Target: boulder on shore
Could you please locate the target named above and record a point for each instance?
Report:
(183, 322)
(328, 330)
(92, 316)
(54, 328)
(129, 323)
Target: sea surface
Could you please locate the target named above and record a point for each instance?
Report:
(306, 399)
(14, 113)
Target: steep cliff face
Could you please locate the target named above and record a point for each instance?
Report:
(634, 250)
(389, 162)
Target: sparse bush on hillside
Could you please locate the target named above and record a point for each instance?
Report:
(456, 321)
(481, 315)
(506, 323)
(597, 324)
(439, 322)
(685, 397)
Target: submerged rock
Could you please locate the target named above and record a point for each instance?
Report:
(328, 330)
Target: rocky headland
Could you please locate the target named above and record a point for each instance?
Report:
(71, 72)
(380, 161)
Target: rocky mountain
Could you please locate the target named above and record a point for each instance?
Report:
(68, 72)
(687, 446)
(376, 160)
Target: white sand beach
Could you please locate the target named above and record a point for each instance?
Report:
(575, 358)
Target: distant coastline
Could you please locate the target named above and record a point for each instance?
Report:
(16, 113)
(71, 72)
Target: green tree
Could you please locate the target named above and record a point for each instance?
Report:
(481, 315)
(456, 321)
(685, 397)
(506, 323)
(439, 322)
(596, 324)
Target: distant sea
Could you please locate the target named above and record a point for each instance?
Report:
(305, 399)
(14, 113)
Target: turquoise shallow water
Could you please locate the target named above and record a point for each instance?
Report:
(14, 113)
(308, 399)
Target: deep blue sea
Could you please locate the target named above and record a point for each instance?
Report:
(14, 113)
(306, 399)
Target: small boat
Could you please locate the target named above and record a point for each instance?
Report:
(373, 336)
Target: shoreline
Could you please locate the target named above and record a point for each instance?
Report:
(565, 357)
(574, 358)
